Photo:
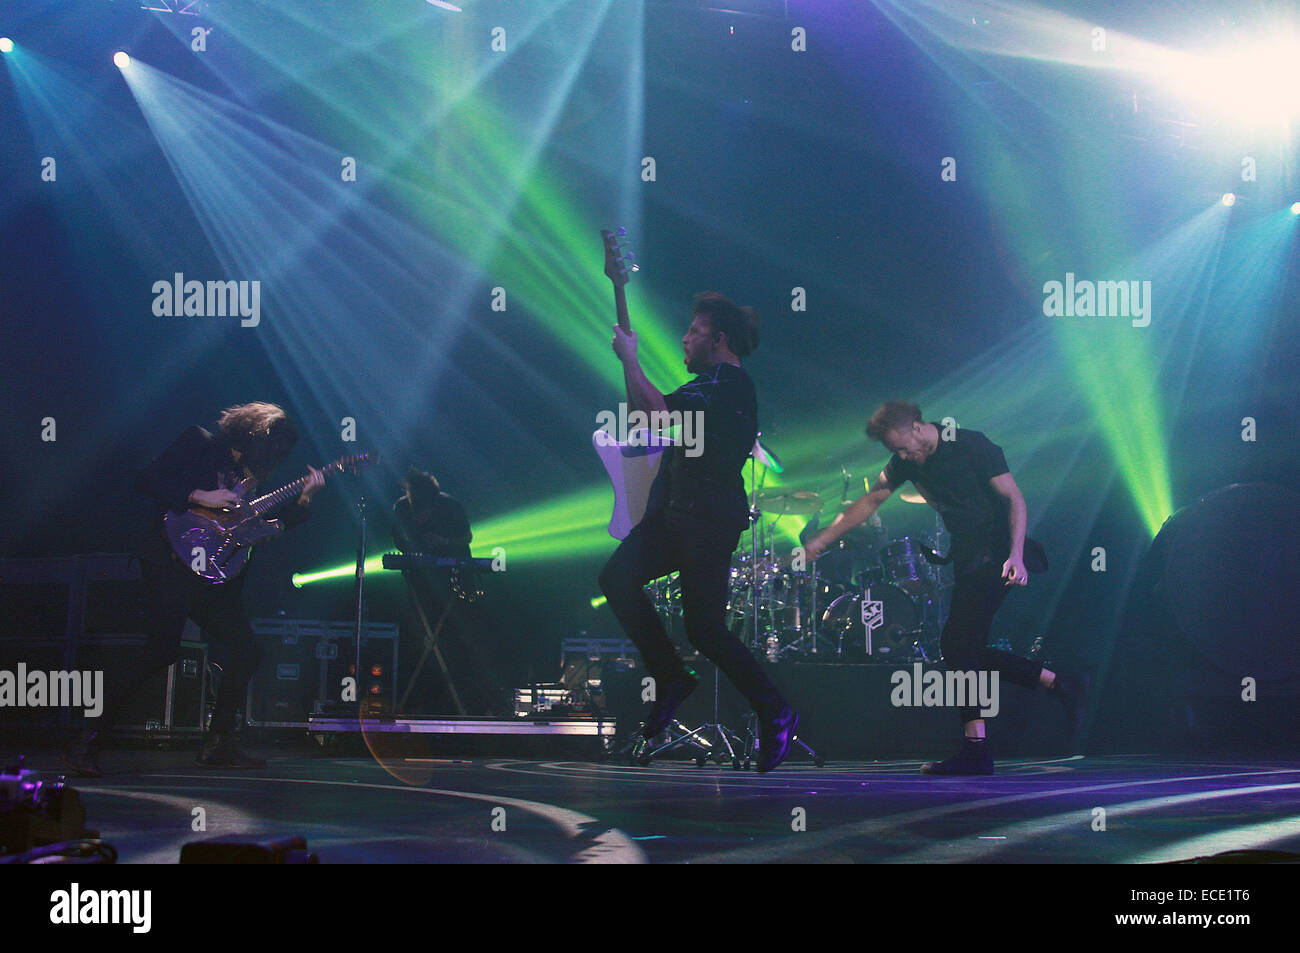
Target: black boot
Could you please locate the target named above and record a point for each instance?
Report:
(81, 755)
(973, 758)
(1072, 690)
(775, 735)
(668, 698)
(219, 751)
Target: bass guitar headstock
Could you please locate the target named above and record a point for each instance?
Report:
(618, 261)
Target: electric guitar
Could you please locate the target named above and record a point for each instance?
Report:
(632, 465)
(215, 544)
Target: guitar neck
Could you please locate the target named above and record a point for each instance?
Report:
(620, 306)
(264, 504)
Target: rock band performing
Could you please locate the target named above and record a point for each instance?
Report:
(638, 432)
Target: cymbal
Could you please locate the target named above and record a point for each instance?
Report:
(800, 502)
(907, 496)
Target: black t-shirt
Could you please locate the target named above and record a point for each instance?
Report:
(446, 518)
(711, 484)
(955, 481)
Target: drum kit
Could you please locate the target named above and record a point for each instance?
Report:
(791, 611)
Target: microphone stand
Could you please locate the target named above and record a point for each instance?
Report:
(360, 600)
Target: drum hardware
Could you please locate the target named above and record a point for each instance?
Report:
(787, 615)
(906, 565)
(712, 741)
(638, 748)
(801, 502)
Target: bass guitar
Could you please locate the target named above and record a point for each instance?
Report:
(633, 464)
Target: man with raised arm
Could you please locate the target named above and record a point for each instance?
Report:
(966, 479)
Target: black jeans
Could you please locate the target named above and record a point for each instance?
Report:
(171, 593)
(701, 551)
(975, 599)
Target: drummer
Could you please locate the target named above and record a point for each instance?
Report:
(964, 476)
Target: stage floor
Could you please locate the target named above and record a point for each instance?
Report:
(354, 810)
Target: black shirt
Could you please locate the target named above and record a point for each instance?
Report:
(711, 484)
(446, 518)
(196, 460)
(955, 481)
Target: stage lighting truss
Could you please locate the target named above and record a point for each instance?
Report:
(1149, 115)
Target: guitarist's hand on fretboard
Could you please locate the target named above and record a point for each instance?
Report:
(624, 345)
(315, 480)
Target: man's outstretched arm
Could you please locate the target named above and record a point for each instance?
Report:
(863, 508)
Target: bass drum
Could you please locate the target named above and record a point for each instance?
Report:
(842, 626)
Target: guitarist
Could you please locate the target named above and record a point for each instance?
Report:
(202, 469)
(696, 512)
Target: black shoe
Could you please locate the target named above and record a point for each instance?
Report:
(219, 751)
(668, 699)
(81, 756)
(973, 758)
(1072, 690)
(775, 735)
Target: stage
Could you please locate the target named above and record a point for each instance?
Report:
(360, 359)
(1034, 811)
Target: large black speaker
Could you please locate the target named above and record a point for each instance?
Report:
(1213, 615)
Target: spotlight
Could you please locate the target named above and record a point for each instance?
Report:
(1295, 209)
(121, 60)
(1229, 199)
(6, 44)
(1255, 83)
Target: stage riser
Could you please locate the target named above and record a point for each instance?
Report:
(845, 710)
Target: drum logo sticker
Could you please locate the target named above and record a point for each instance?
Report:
(873, 616)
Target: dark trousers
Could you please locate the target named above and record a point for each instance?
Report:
(975, 599)
(668, 541)
(171, 594)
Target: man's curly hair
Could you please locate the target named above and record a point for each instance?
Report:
(263, 433)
